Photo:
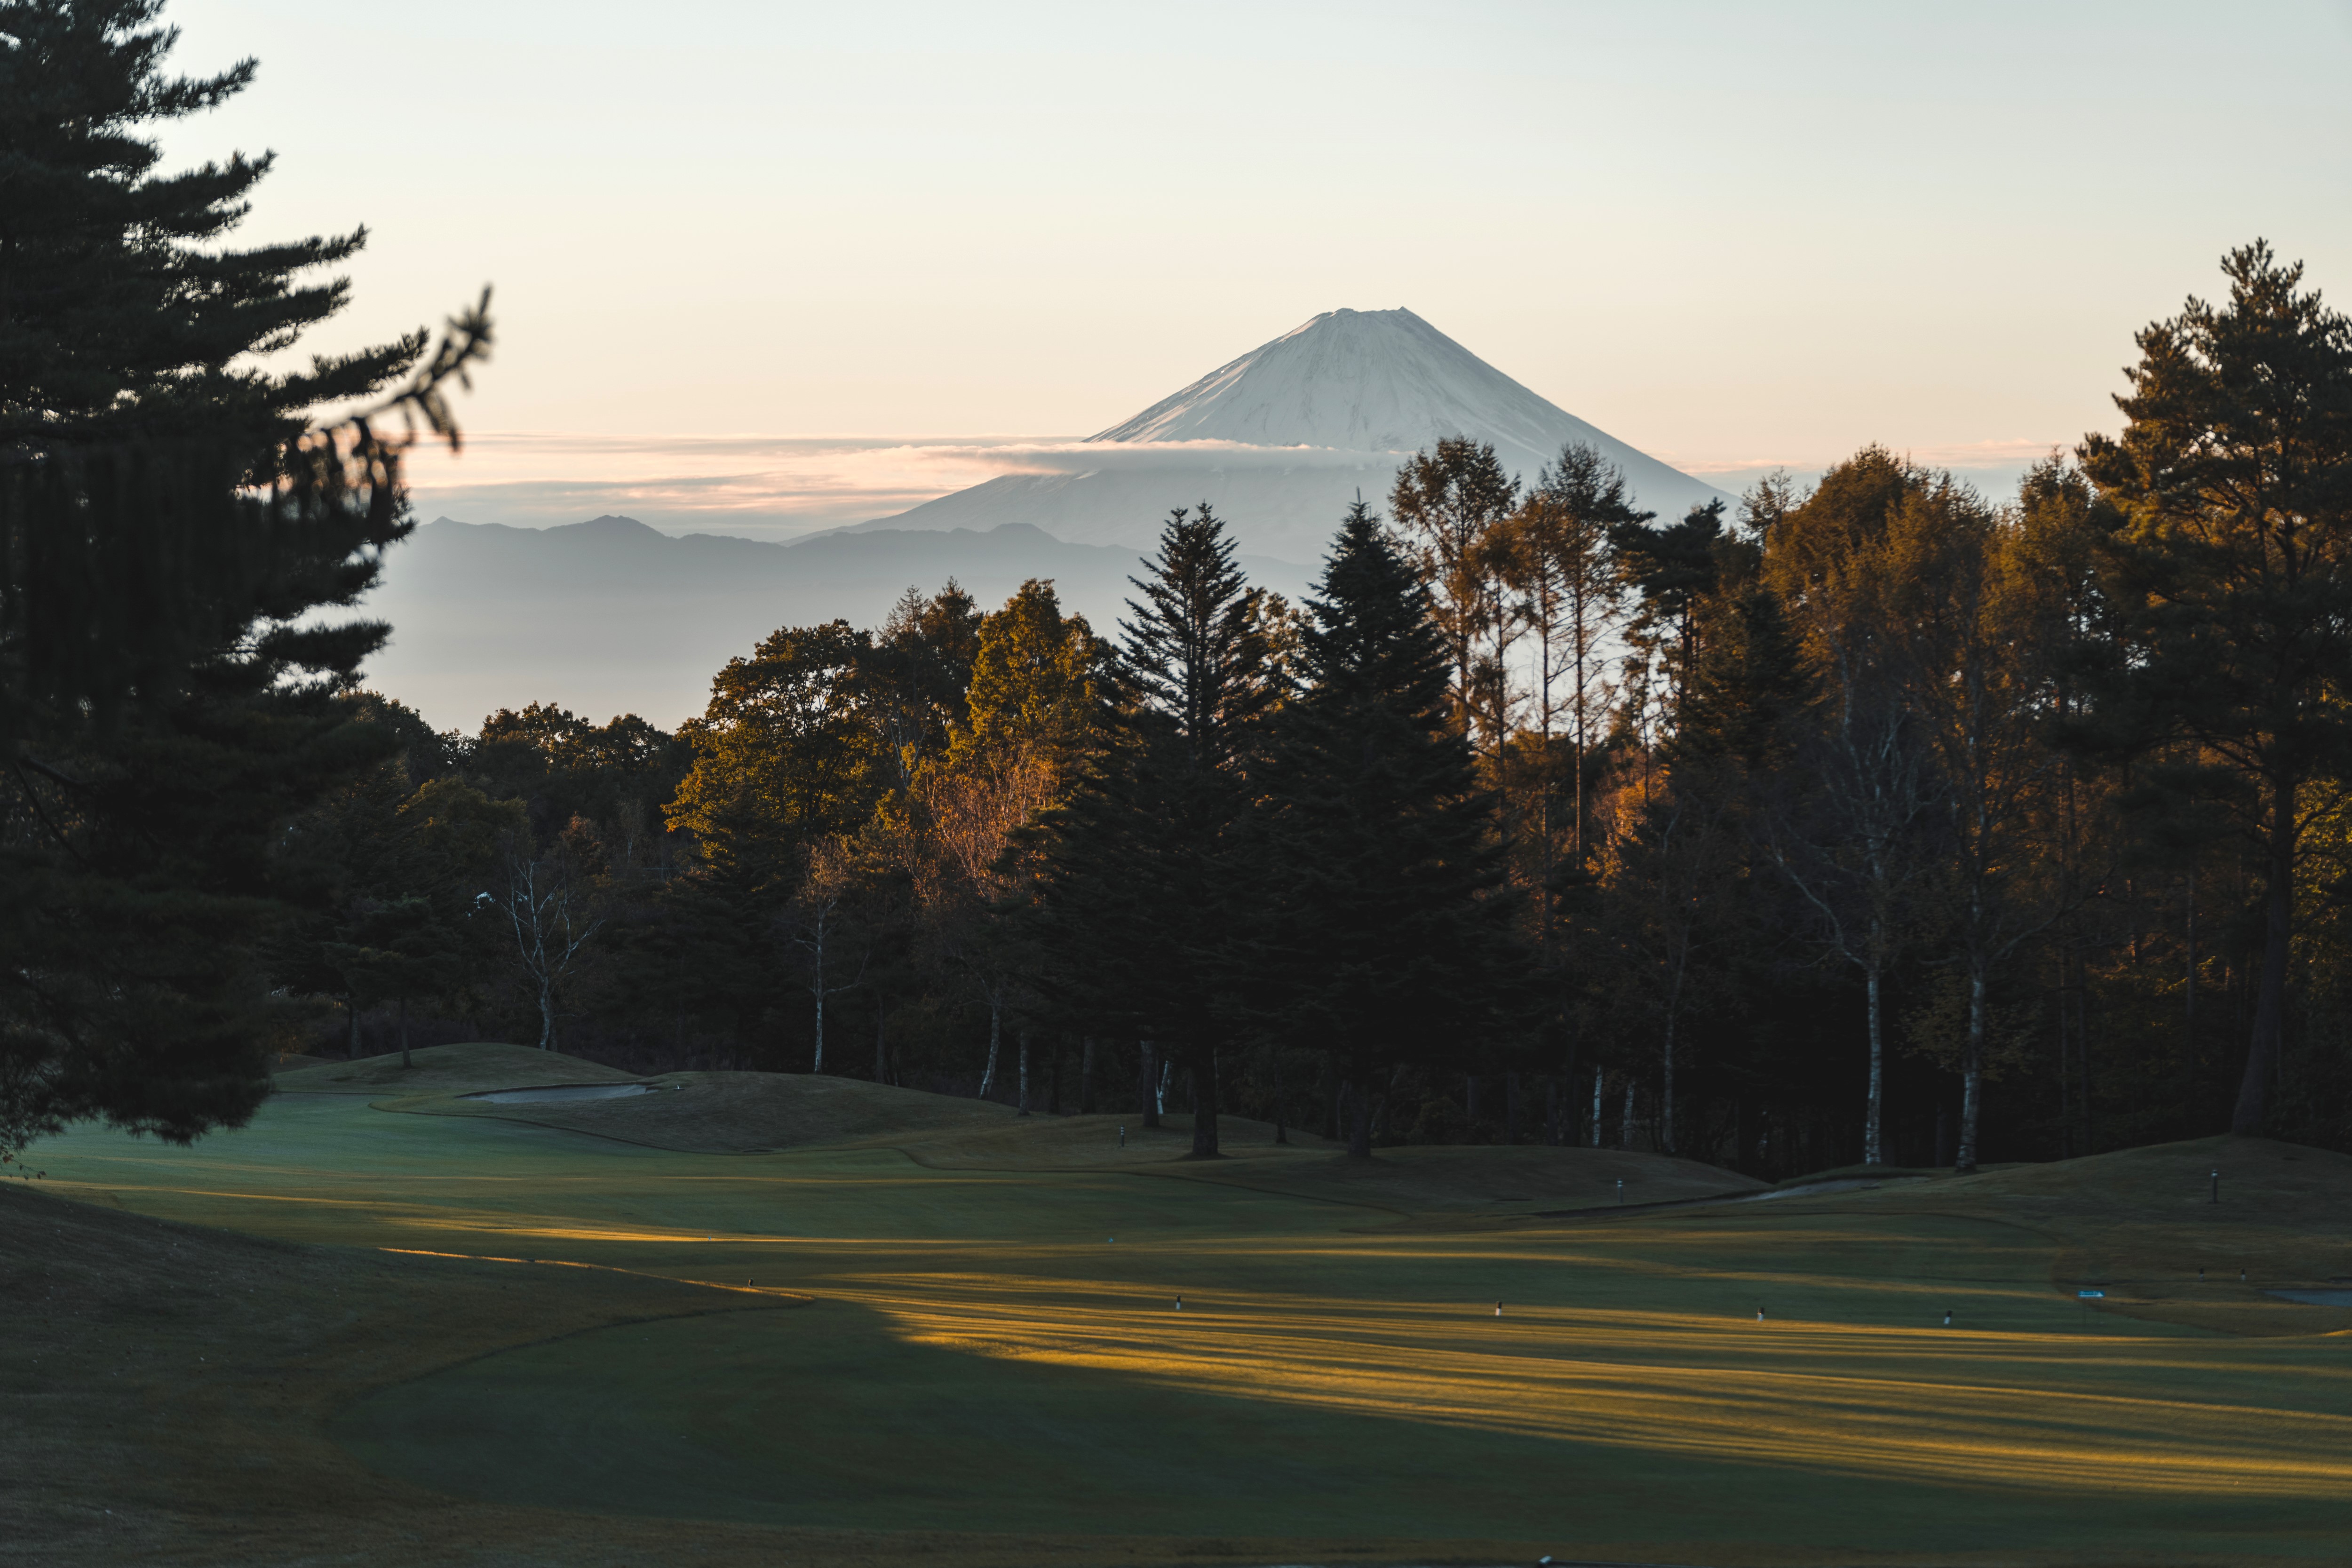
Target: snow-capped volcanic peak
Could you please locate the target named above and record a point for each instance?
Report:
(1377, 381)
(1283, 438)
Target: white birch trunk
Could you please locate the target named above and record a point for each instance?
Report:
(995, 1021)
(817, 949)
(1971, 1076)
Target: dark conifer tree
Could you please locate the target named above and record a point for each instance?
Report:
(167, 531)
(1380, 932)
(2231, 583)
(1138, 898)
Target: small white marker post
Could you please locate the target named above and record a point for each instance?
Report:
(2086, 1297)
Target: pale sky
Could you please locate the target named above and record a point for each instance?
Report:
(1733, 235)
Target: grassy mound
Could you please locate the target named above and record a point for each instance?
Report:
(754, 1113)
(1522, 1179)
(444, 1070)
(721, 1112)
(2140, 1224)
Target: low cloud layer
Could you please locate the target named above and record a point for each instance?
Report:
(768, 487)
(774, 487)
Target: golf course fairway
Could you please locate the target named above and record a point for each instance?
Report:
(962, 1341)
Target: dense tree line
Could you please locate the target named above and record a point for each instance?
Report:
(1879, 820)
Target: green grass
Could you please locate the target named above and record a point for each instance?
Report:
(980, 1365)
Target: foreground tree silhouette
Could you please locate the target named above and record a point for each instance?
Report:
(116, 313)
(167, 531)
(1379, 931)
(2231, 581)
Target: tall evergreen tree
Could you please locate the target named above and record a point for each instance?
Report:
(1380, 933)
(1137, 900)
(2231, 581)
(167, 532)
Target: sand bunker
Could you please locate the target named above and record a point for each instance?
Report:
(565, 1092)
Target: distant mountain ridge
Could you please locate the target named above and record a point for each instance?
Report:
(1282, 438)
(610, 615)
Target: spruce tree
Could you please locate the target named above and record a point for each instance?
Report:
(1138, 897)
(1380, 931)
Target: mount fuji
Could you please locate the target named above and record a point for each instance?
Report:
(1282, 438)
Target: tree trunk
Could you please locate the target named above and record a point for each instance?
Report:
(1874, 1147)
(1204, 1103)
(1666, 1090)
(1359, 1124)
(1087, 1076)
(1971, 1077)
(1625, 1123)
(1674, 1016)
(2083, 1053)
(546, 1015)
(1147, 1082)
(995, 1033)
(1596, 1108)
(2269, 1003)
(2189, 1031)
(1024, 1071)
